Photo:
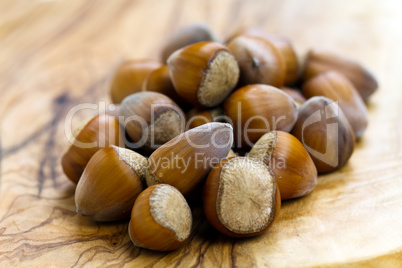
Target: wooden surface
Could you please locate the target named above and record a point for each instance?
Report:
(57, 54)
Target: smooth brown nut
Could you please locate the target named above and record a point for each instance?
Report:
(161, 219)
(196, 117)
(257, 109)
(110, 184)
(204, 73)
(295, 94)
(186, 36)
(159, 81)
(151, 119)
(259, 61)
(129, 77)
(285, 48)
(185, 161)
(318, 62)
(294, 170)
(112, 110)
(325, 133)
(240, 197)
(102, 130)
(337, 87)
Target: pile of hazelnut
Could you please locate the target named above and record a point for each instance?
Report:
(214, 125)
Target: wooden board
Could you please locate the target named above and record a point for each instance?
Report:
(57, 54)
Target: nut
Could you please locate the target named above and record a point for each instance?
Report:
(295, 172)
(284, 47)
(112, 110)
(129, 78)
(152, 119)
(102, 130)
(110, 184)
(337, 87)
(159, 81)
(231, 154)
(258, 109)
(240, 197)
(295, 94)
(161, 219)
(177, 162)
(330, 144)
(186, 36)
(204, 73)
(318, 62)
(197, 117)
(259, 61)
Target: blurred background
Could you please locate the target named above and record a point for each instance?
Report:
(55, 54)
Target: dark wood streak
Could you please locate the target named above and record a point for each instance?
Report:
(27, 250)
(232, 253)
(66, 103)
(102, 249)
(48, 220)
(58, 110)
(16, 199)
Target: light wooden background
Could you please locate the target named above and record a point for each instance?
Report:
(57, 54)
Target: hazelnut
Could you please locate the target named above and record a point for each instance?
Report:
(295, 94)
(161, 219)
(337, 87)
(184, 161)
(318, 62)
(159, 81)
(129, 77)
(240, 197)
(196, 117)
(295, 172)
(325, 133)
(110, 184)
(257, 109)
(102, 130)
(259, 61)
(111, 110)
(204, 73)
(186, 36)
(284, 47)
(151, 119)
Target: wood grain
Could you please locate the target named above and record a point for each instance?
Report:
(57, 54)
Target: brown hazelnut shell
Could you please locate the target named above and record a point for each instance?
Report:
(110, 184)
(337, 87)
(159, 81)
(327, 155)
(185, 147)
(145, 231)
(294, 170)
(319, 61)
(210, 195)
(161, 117)
(259, 61)
(253, 104)
(188, 35)
(129, 77)
(204, 73)
(102, 129)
